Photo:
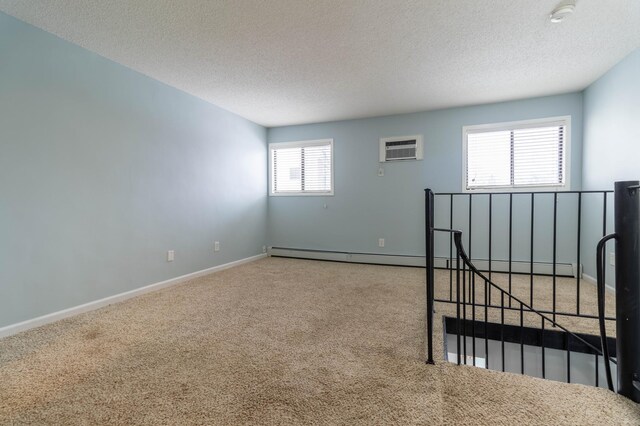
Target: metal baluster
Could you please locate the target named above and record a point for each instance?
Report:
(469, 253)
(542, 344)
(521, 341)
(531, 249)
(604, 230)
(502, 325)
(470, 224)
(458, 304)
(486, 327)
(473, 318)
(568, 357)
(464, 314)
(450, 248)
(578, 254)
(490, 226)
(510, 241)
(555, 228)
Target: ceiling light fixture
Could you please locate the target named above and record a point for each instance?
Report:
(562, 11)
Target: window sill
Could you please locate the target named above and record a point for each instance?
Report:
(519, 189)
(302, 194)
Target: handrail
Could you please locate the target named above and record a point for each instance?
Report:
(457, 236)
(601, 305)
(597, 191)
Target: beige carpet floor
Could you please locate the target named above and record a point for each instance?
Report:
(276, 341)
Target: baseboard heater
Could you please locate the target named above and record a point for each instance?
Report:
(517, 267)
(541, 268)
(341, 256)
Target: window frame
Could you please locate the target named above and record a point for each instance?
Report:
(300, 144)
(521, 124)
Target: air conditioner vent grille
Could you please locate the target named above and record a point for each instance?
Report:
(401, 154)
(401, 148)
(401, 143)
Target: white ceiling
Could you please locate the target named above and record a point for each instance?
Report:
(280, 62)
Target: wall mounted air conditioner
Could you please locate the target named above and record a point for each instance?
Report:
(400, 148)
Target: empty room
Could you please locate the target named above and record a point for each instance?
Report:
(355, 212)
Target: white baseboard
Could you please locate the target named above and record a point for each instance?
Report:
(588, 278)
(591, 280)
(96, 304)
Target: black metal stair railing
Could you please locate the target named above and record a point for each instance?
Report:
(466, 276)
(467, 324)
(467, 305)
(475, 212)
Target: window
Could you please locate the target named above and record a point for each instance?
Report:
(301, 168)
(515, 155)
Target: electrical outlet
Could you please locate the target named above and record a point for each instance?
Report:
(216, 246)
(264, 249)
(380, 242)
(171, 255)
(380, 172)
(612, 259)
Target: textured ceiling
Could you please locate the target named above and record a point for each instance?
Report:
(280, 62)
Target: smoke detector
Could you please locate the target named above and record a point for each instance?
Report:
(562, 11)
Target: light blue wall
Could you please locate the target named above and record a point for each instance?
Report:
(612, 133)
(611, 141)
(366, 207)
(102, 170)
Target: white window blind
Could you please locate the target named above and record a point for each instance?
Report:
(522, 154)
(302, 168)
